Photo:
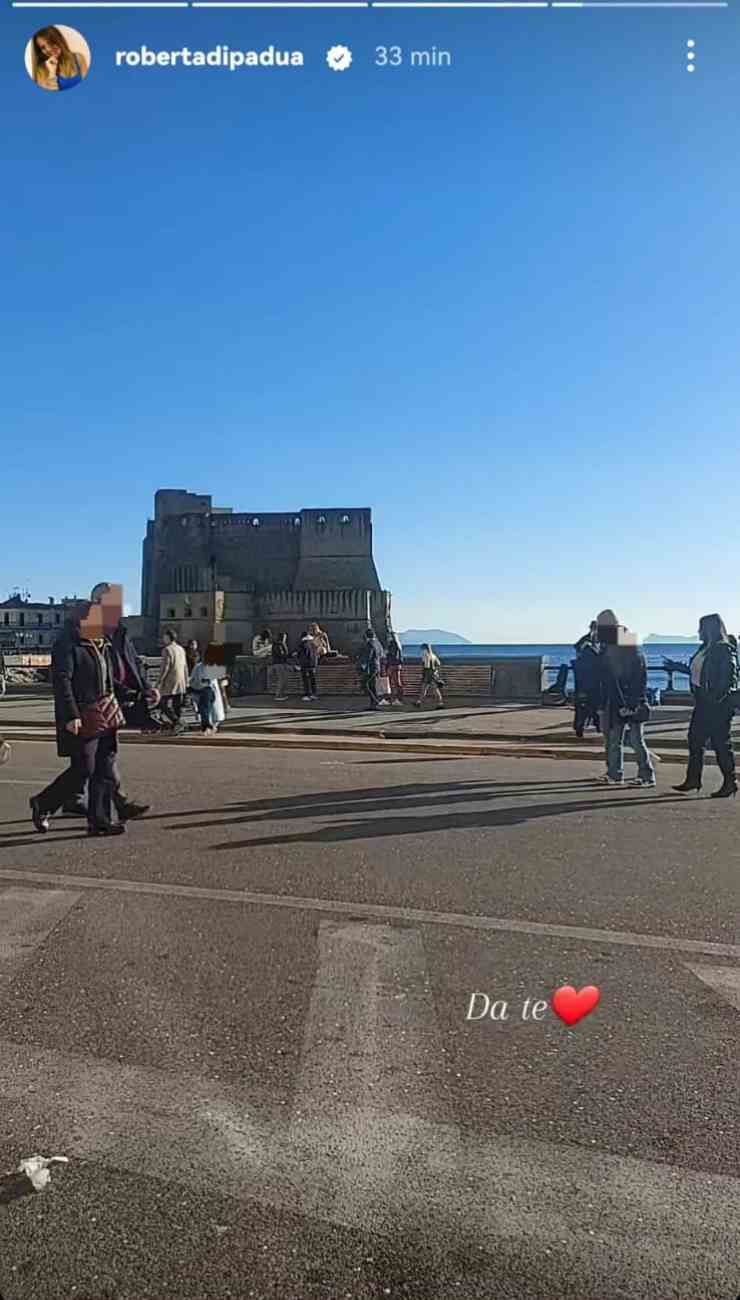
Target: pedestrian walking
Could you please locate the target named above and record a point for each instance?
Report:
(394, 668)
(205, 690)
(308, 659)
(88, 718)
(3, 675)
(173, 680)
(624, 703)
(280, 665)
(192, 654)
(369, 662)
(431, 677)
(715, 685)
(587, 673)
(133, 692)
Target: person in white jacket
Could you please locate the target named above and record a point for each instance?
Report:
(204, 681)
(173, 680)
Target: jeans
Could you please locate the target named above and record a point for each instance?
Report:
(309, 681)
(205, 699)
(615, 750)
(368, 686)
(94, 761)
(711, 722)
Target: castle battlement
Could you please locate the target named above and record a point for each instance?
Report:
(305, 564)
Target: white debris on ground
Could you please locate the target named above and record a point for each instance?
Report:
(36, 1169)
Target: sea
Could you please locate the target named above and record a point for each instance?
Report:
(555, 655)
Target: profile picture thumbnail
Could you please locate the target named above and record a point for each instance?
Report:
(57, 58)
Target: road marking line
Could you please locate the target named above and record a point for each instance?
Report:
(382, 911)
(27, 917)
(724, 980)
(368, 1090)
(378, 1169)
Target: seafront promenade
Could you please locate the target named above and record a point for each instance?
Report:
(470, 725)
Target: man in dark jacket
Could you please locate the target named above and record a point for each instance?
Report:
(369, 665)
(308, 660)
(587, 672)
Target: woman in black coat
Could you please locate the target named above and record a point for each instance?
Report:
(715, 677)
(82, 677)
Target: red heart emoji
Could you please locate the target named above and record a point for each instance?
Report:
(572, 1006)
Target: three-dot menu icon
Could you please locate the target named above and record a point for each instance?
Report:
(690, 56)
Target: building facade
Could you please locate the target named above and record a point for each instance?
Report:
(27, 626)
(217, 575)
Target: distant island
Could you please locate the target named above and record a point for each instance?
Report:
(434, 635)
(671, 640)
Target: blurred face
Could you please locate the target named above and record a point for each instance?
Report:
(47, 48)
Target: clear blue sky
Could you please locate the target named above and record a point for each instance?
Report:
(498, 303)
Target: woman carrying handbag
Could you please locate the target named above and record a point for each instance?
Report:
(88, 718)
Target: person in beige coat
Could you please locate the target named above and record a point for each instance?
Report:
(173, 680)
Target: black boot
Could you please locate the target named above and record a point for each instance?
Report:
(691, 783)
(728, 788)
(38, 816)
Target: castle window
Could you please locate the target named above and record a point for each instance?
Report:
(297, 521)
(172, 613)
(344, 519)
(188, 612)
(321, 521)
(255, 522)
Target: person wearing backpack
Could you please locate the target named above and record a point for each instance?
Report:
(715, 686)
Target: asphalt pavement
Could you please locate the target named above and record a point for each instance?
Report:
(245, 1024)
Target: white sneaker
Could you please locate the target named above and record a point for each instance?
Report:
(643, 781)
(383, 704)
(307, 698)
(611, 780)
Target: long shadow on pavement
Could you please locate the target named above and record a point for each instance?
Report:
(378, 828)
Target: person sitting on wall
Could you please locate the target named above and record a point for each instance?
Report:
(321, 640)
(262, 644)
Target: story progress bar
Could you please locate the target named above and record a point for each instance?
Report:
(374, 4)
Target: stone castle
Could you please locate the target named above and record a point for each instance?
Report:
(220, 576)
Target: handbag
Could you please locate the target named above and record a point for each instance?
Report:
(382, 685)
(102, 716)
